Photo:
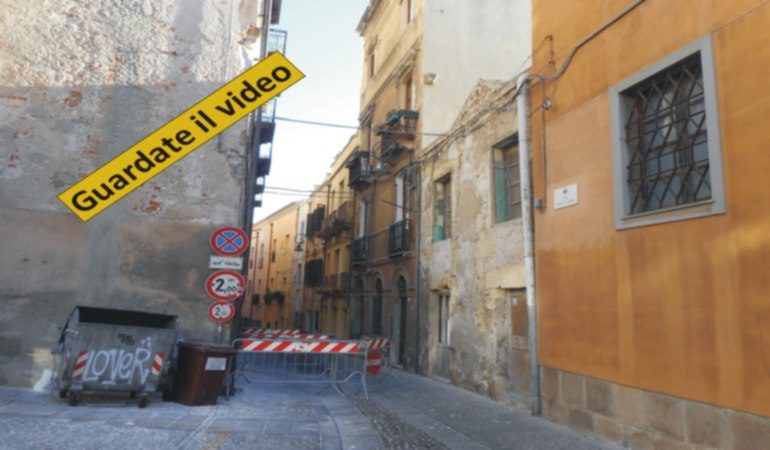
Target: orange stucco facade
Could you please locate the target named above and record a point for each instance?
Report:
(273, 245)
(681, 308)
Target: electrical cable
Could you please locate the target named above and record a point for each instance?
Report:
(351, 127)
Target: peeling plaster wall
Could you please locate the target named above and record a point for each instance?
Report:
(480, 265)
(79, 83)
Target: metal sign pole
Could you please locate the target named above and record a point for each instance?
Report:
(219, 333)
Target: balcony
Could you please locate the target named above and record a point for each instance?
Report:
(360, 251)
(314, 272)
(263, 166)
(336, 284)
(266, 131)
(331, 282)
(315, 221)
(345, 282)
(341, 219)
(398, 238)
(359, 173)
(399, 127)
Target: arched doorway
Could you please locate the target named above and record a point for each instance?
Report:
(357, 322)
(377, 308)
(402, 308)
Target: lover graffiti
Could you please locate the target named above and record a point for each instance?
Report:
(114, 365)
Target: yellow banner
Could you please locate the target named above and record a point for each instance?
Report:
(176, 139)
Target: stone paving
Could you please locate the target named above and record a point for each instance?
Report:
(411, 413)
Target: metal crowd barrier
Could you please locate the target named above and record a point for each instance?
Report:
(382, 346)
(325, 361)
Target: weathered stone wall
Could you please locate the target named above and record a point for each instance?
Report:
(481, 264)
(79, 83)
(644, 420)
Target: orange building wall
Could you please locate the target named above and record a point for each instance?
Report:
(275, 275)
(681, 308)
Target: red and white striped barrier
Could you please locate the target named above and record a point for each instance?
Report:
(281, 346)
(80, 366)
(157, 364)
(379, 343)
(310, 336)
(270, 332)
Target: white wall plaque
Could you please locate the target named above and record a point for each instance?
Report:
(565, 196)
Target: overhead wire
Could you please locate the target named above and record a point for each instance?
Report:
(351, 127)
(468, 124)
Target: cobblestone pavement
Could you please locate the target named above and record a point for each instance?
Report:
(395, 432)
(410, 413)
(459, 419)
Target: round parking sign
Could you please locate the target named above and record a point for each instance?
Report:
(221, 311)
(229, 241)
(225, 285)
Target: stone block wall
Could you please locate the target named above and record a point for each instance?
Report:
(644, 420)
(79, 83)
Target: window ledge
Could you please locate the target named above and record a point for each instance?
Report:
(673, 214)
(506, 222)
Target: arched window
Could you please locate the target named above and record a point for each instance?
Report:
(401, 284)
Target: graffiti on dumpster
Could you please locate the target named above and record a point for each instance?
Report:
(112, 365)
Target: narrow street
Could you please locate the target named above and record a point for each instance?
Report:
(413, 413)
(384, 224)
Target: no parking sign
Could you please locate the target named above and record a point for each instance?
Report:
(229, 241)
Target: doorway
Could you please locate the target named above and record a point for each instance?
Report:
(402, 332)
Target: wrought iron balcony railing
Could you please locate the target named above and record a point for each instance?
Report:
(339, 220)
(399, 238)
(359, 171)
(360, 251)
(331, 282)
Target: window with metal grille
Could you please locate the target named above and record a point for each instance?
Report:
(667, 139)
(667, 155)
(507, 181)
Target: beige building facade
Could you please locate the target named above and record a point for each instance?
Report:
(422, 60)
(474, 317)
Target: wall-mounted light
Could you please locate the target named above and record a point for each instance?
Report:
(429, 78)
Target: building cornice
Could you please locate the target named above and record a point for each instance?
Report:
(367, 16)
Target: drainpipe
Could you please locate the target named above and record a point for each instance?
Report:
(522, 113)
(418, 174)
(522, 109)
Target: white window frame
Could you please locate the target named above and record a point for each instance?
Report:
(717, 203)
(361, 232)
(399, 197)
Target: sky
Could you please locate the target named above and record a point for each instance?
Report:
(322, 42)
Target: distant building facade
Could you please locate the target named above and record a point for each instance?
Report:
(329, 308)
(421, 61)
(270, 303)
